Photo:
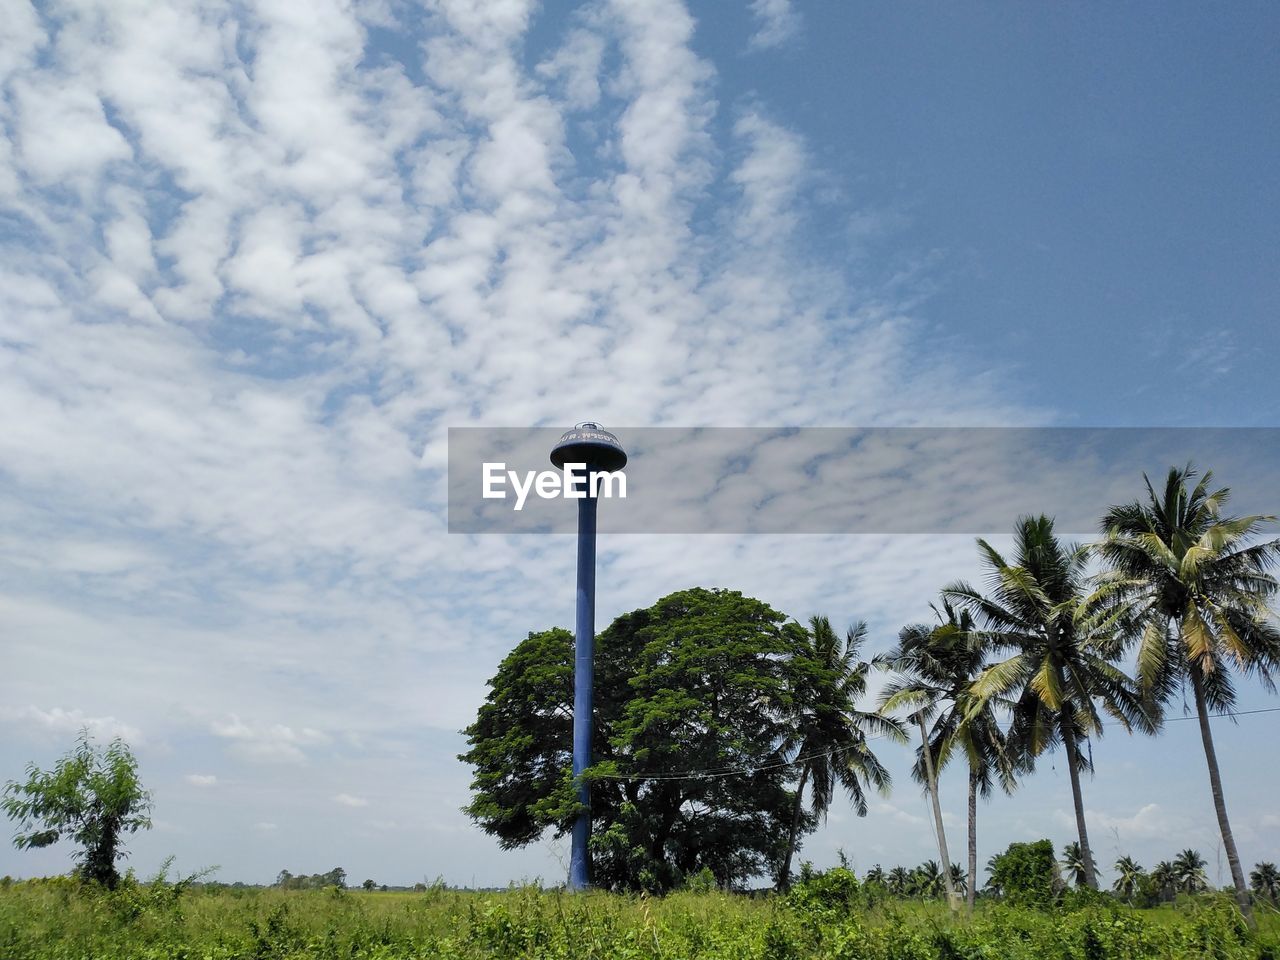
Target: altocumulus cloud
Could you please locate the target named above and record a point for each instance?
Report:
(259, 256)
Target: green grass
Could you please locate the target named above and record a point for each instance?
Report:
(58, 919)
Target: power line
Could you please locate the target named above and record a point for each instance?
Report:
(723, 772)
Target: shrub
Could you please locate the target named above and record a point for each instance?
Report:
(1026, 874)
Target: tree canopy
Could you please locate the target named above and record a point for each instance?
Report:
(92, 797)
(699, 683)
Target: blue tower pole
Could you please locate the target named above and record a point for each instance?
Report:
(583, 676)
(590, 444)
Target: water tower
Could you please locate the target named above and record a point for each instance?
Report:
(590, 444)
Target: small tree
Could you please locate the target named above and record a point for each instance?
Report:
(92, 796)
(1026, 874)
(369, 885)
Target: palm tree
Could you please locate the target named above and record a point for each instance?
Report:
(899, 881)
(1188, 867)
(1264, 878)
(936, 668)
(875, 875)
(1165, 876)
(1077, 869)
(1192, 592)
(1129, 874)
(1056, 676)
(992, 886)
(928, 881)
(828, 740)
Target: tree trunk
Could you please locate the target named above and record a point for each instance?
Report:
(972, 891)
(784, 877)
(1219, 802)
(1086, 853)
(930, 776)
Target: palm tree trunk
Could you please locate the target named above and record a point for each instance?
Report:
(972, 891)
(947, 885)
(784, 877)
(1086, 852)
(1219, 801)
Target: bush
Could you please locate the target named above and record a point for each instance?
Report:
(1026, 874)
(831, 894)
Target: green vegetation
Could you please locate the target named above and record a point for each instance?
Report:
(828, 739)
(92, 797)
(935, 669)
(704, 681)
(1190, 588)
(716, 718)
(337, 877)
(715, 714)
(830, 915)
(1026, 874)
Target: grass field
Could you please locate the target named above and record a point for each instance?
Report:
(58, 919)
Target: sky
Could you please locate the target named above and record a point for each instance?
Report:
(259, 257)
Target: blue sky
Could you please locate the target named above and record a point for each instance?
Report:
(258, 259)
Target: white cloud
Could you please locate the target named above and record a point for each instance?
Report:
(347, 800)
(777, 21)
(268, 743)
(64, 133)
(228, 373)
(1151, 820)
(201, 779)
(63, 722)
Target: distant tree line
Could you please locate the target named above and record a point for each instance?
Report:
(337, 877)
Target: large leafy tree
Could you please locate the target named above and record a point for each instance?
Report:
(827, 742)
(92, 796)
(1056, 676)
(692, 699)
(936, 668)
(1193, 587)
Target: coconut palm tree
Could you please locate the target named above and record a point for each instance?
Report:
(1129, 874)
(1076, 868)
(1192, 588)
(1056, 676)
(1165, 876)
(1188, 867)
(928, 881)
(829, 734)
(936, 667)
(899, 881)
(1264, 879)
